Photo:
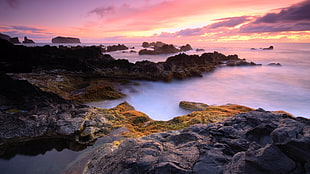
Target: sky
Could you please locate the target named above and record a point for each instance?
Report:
(95, 21)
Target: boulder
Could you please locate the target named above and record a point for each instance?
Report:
(255, 142)
(27, 41)
(186, 47)
(193, 106)
(116, 47)
(269, 48)
(61, 39)
(164, 49)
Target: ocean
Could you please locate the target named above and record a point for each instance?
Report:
(272, 88)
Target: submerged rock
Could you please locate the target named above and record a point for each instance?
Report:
(255, 142)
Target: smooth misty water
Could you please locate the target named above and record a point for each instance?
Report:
(272, 88)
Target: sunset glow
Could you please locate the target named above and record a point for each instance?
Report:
(167, 20)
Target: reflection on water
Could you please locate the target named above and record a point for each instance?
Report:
(39, 156)
(36, 147)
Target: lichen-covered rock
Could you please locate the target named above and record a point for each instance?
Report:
(193, 106)
(255, 142)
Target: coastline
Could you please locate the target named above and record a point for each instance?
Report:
(87, 124)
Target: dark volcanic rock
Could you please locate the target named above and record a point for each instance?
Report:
(28, 114)
(60, 39)
(162, 48)
(254, 142)
(269, 48)
(14, 40)
(26, 40)
(178, 66)
(116, 47)
(8, 38)
(165, 49)
(187, 47)
(18, 58)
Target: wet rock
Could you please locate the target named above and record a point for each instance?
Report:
(116, 47)
(186, 47)
(255, 142)
(61, 39)
(193, 106)
(269, 48)
(164, 49)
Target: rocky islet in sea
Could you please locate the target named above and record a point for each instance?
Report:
(239, 144)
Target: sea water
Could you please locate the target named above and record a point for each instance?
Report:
(285, 87)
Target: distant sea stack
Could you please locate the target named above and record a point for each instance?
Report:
(26, 40)
(60, 39)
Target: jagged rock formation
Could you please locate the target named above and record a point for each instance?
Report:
(186, 47)
(254, 142)
(178, 66)
(80, 87)
(61, 39)
(28, 114)
(90, 59)
(18, 58)
(10, 39)
(27, 41)
(162, 48)
(115, 48)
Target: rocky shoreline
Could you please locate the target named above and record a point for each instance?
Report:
(42, 89)
(255, 142)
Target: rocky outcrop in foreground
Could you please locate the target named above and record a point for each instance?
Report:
(255, 142)
(61, 39)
